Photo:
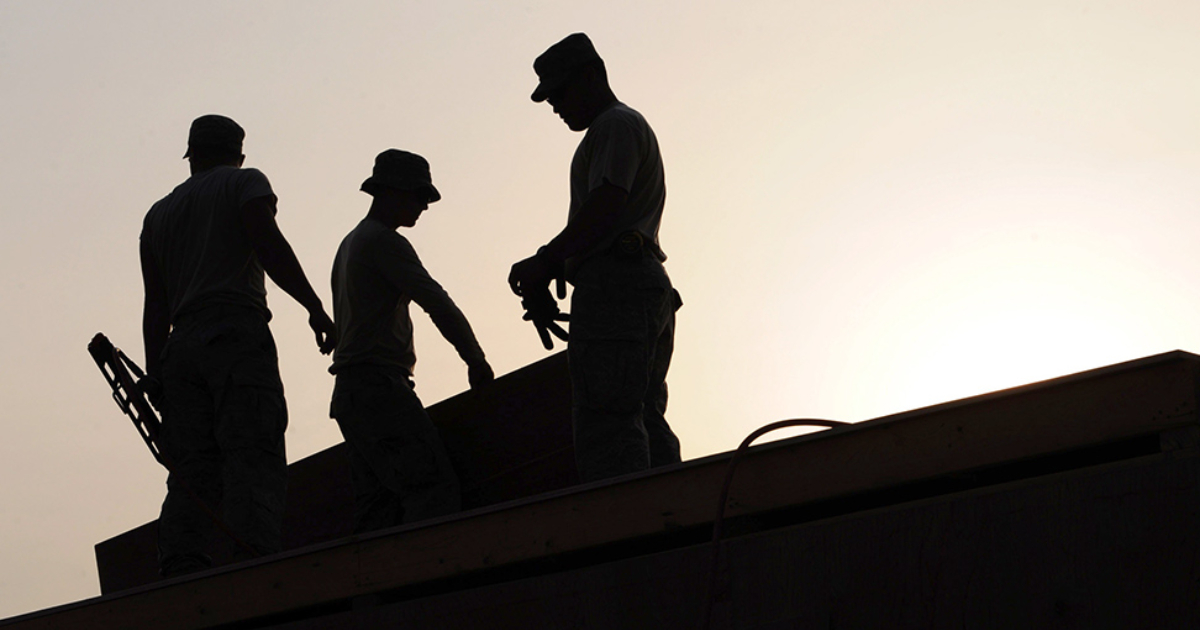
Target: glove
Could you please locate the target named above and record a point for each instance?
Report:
(537, 271)
(542, 309)
(153, 389)
(479, 374)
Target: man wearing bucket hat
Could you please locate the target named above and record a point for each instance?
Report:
(399, 467)
(623, 305)
(204, 250)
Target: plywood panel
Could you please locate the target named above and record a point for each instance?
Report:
(509, 440)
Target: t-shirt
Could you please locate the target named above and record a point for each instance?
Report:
(197, 239)
(376, 273)
(621, 148)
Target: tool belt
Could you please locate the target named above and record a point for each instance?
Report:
(219, 311)
(631, 244)
(375, 372)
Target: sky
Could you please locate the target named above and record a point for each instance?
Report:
(872, 206)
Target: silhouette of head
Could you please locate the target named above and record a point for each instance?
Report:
(561, 63)
(402, 187)
(213, 136)
(403, 170)
(572, 78)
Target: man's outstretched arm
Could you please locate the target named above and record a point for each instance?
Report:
(398, 262)
(280, 263)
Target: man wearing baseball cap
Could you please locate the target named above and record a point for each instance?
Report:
(623, 305)
(204, 251)
(398, 464)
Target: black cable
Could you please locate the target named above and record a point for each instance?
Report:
(719, 520)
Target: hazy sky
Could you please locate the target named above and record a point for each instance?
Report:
(872, 206)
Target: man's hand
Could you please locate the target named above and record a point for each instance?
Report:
(280, 264)
(153, 389)
(479, 374)
(324, 329)
(542, 309)
(529, 276)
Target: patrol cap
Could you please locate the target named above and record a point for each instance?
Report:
(215, 133)
(403, 170)
(561, 62)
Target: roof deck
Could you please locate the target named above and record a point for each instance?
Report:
(1072, 502)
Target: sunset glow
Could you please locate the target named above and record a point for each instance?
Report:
(872, 206)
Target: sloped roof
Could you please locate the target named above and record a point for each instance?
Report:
(1106, 413)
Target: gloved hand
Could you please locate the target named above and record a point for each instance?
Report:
(153, 389)
(529, 275)
(324, 329)
(479, 374)
(542, 309)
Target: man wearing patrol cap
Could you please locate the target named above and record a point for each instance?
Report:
(204, 250)
(623, 305)
(398, 464)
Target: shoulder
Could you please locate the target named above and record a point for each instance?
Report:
(152, 214)
(617, 118)
(381, 242)
(618, 125)
(243, 185)
(398, 245)
(251, 173)
(158, 208)
(249, 176)
(181, 190)
(232, 178)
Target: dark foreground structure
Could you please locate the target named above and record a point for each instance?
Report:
(1070, 503)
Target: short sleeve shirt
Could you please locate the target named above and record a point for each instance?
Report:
(376, 275)
(197, 239)
(620, 148)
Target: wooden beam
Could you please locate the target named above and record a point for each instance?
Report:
(1144, 397)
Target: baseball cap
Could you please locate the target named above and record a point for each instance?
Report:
(214, 132)
(561, 62)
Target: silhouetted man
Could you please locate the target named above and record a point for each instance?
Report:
(623, 307)
(204, 249)
(398, 464)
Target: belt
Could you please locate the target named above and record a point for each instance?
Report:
(393, 373)
(631, 244)
(218, 310)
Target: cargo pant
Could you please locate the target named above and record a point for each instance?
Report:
(398, 465)
(223, 427)
(622, 336)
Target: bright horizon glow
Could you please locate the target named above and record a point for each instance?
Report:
(872, 206)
